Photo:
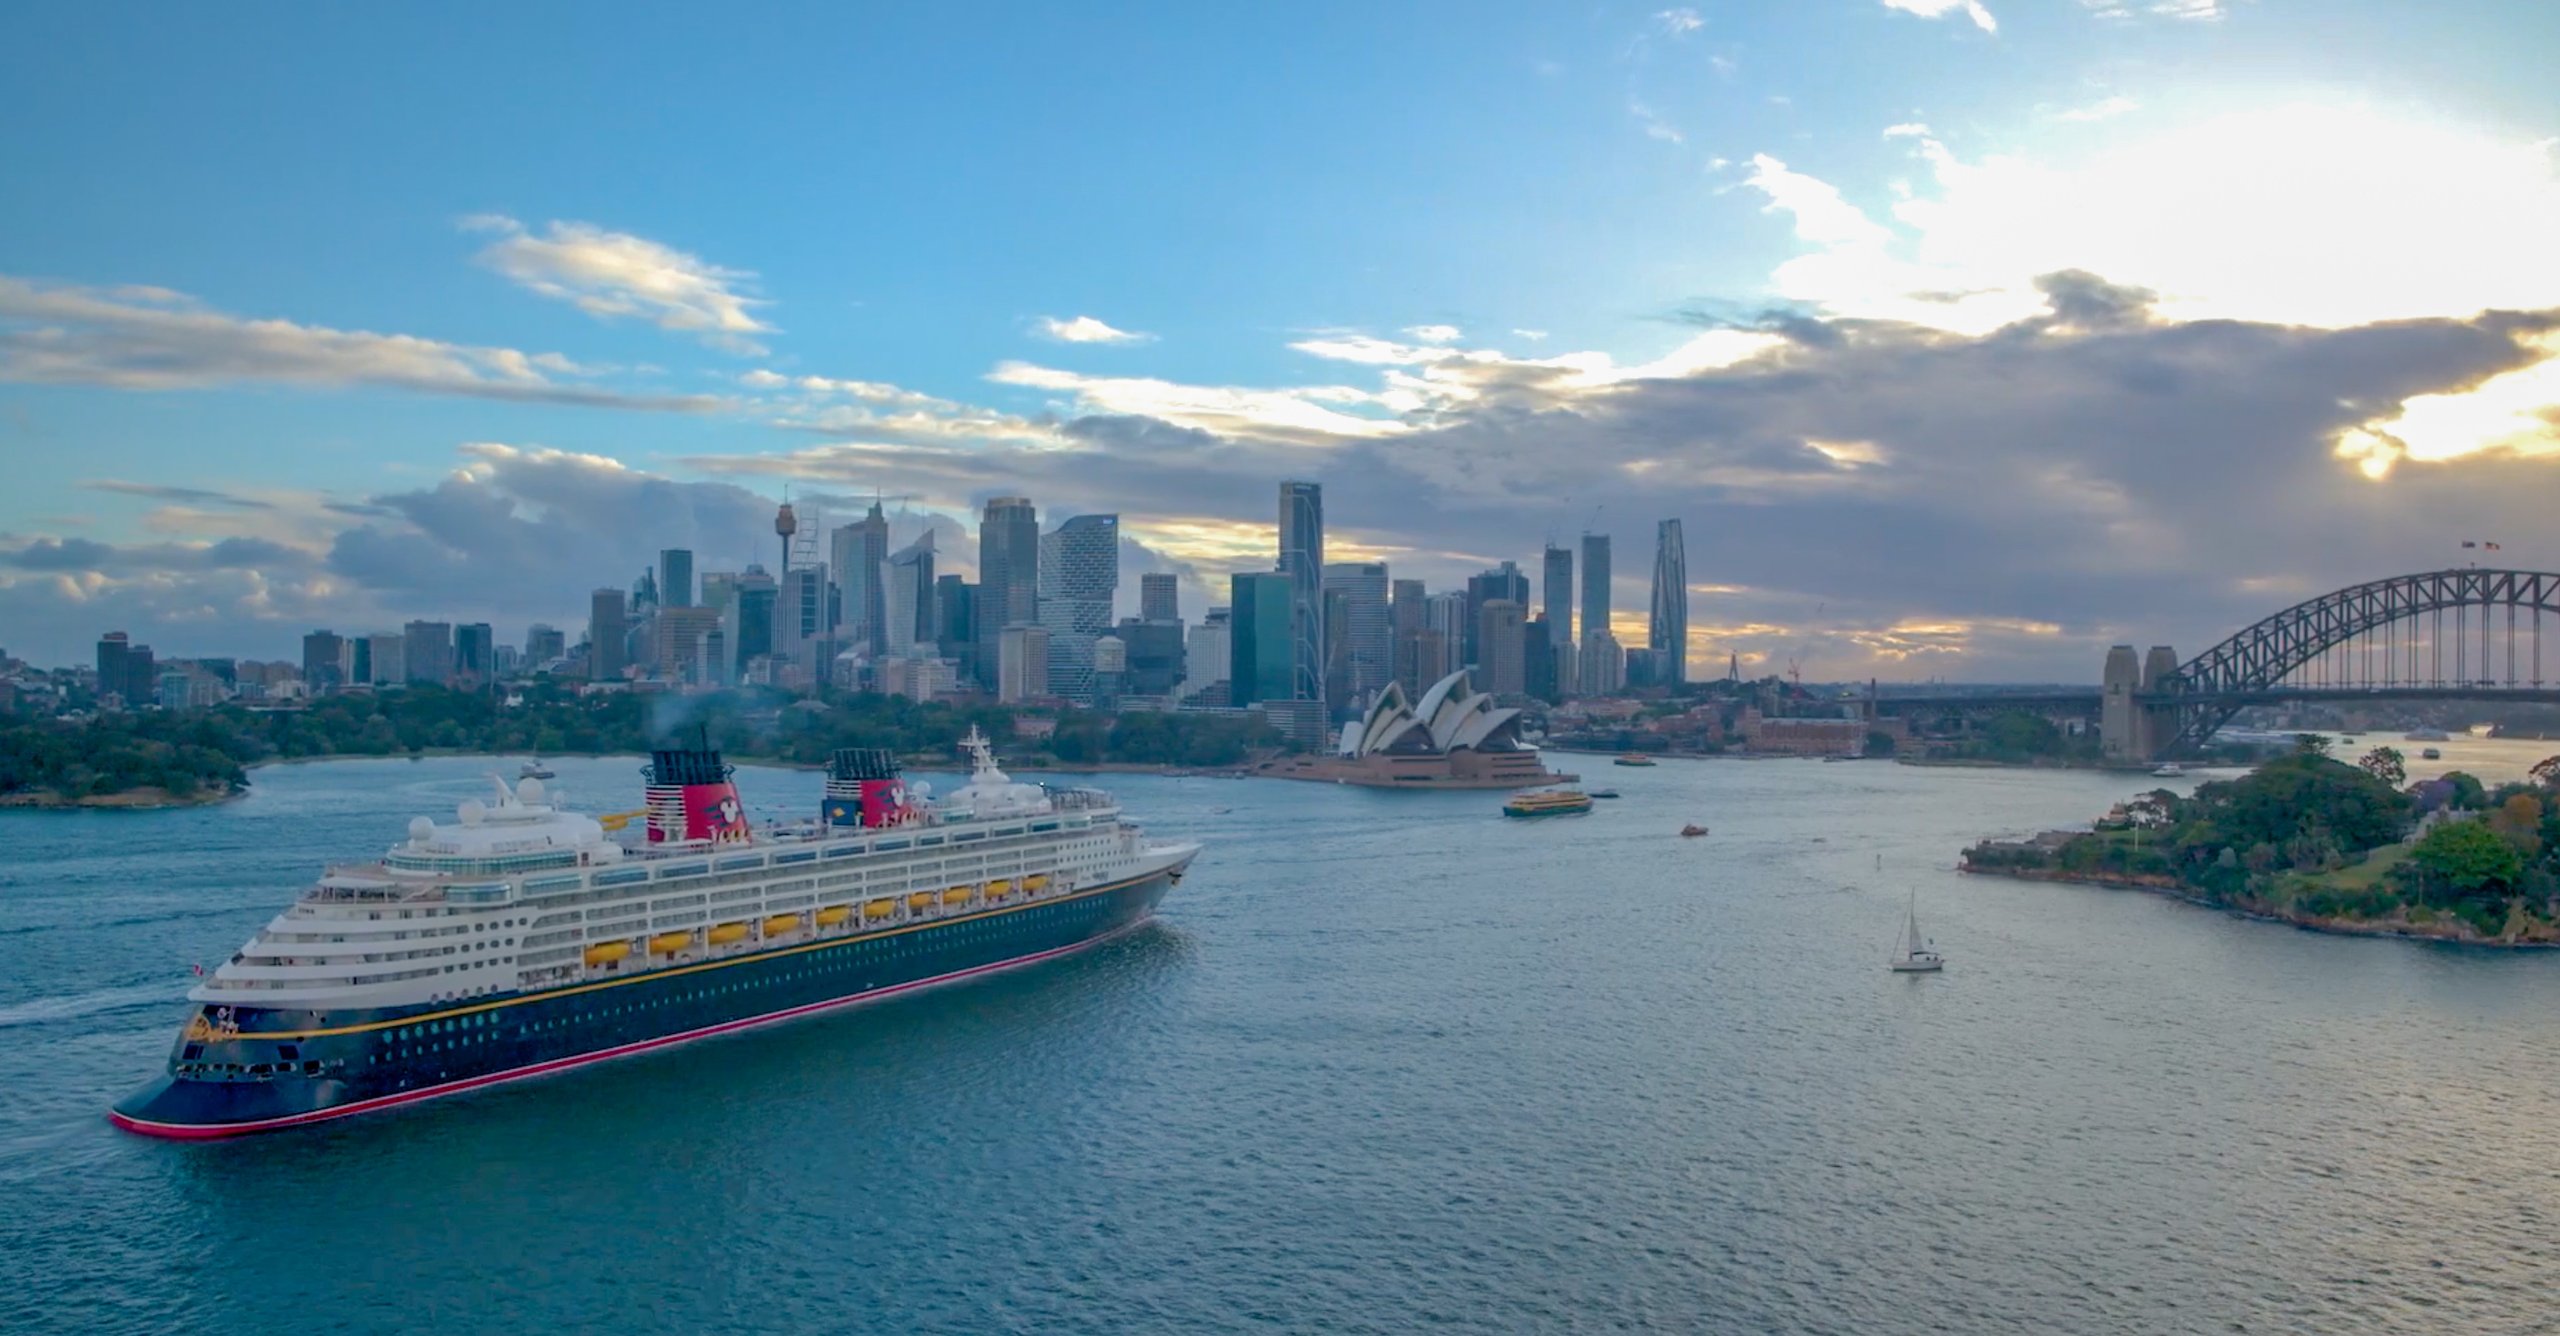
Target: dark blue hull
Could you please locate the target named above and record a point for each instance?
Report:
(287, 1068)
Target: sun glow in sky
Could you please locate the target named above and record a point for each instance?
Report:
(1911, 309)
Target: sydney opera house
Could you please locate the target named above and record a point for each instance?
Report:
(1455, 737)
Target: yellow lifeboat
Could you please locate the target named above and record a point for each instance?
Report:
(668, 943)
(833, 915)
(1037, 881)
(607, 953)
(958, 895)
(920, 901)
(613, 821)
(1001, 886)
(727, 933)
(780, 924)
(879, 909)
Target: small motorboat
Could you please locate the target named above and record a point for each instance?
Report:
(1692, 831)
(2430, 754)
(535, 769)
(1602, 793)
(2169, 770)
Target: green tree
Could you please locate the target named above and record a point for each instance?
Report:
(2463, 859)
(2311, 744)
(2386, 764)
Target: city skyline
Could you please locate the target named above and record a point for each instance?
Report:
(1966, 339)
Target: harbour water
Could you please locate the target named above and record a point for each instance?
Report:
(1387, 1062)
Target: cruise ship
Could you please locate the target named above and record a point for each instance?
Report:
(524, 938)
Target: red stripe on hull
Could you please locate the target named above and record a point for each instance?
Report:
(218, 1131)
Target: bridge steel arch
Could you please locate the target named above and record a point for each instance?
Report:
(2208, 689)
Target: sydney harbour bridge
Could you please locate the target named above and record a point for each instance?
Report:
(2467, 633)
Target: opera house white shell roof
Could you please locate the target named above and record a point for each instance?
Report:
(1453, 716)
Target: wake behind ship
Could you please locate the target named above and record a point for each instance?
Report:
(525, 938)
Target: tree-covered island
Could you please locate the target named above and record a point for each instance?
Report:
(2311, 840)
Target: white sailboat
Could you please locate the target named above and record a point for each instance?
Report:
(1913, 953)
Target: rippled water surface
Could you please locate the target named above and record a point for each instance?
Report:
(1386, 1063)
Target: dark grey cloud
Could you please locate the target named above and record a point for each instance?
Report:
(187, 496)
(69, 555)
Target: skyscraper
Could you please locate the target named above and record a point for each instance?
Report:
(1368, 654)
(748, 627)
(1502, 582)
(1157, 600)
(389, 653)
(1595, 584)
(675, 577)
(800, 630)
(429, 649)
(475, 651)
(1261, 659)
(1022, 663)
(1538, 658)
(1008, 575)
(1501, 647)
(1557, 586)
(907, 597)
(859, 551)
(1079, 573)
(1404, 622)
(1668, 635)
(1207, 658)
(1445, 616)
(115, 651)
(1302, 560)
(955, 623)
(542, 645)
(320, 651)
(606, 627)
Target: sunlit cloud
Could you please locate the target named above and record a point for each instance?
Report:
(150, 339)
(615, 275)
(1084, 329)
(1935, 9)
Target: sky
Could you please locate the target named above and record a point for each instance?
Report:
(1965, 337)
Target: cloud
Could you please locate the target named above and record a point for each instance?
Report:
(1532, 335)
(190, 496)
(2195, 11)
(1653, 124)
(1085, 329)
(1307, 414)
(1433, 334)
(1936, 9)
(2276, 214)
(615, 275)
(150, 339)
(2106, 108)
(1679, 22)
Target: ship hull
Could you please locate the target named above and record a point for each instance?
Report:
(357, 1063)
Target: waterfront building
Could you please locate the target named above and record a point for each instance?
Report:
(1453, 737)
(1596, 603)
(860, 551)
(1155, 656)
(1302, 561)
(430, 649)
(1079, 575)
(1668, 631)
(115, 648)
(1556, 586)
(675, 577)
(1008, 575)
(320, 671)
(1158, 598)
(1262, 663)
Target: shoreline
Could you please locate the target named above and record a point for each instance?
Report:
(2451, 932)
(123, 800)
